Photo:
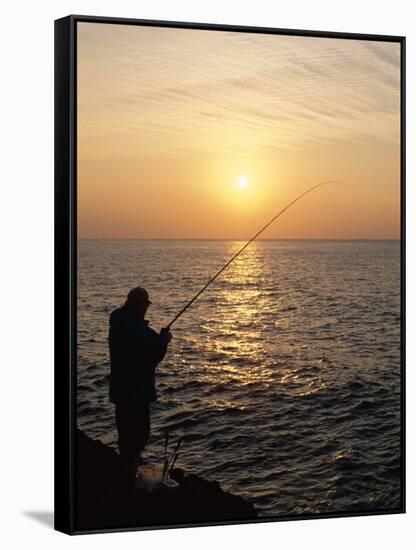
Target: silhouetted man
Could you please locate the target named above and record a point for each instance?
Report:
(135, 351)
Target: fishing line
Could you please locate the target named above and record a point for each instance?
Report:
(246, 245)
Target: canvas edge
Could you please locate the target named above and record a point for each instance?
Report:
(64, 304)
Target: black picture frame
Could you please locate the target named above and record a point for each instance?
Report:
(66, 258)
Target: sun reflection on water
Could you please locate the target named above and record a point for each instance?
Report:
(237, 344)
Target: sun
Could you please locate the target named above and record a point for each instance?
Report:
(242, 182)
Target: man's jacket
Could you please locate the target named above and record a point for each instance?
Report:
(135, 351)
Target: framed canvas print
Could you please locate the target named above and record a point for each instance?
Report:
(229, 254)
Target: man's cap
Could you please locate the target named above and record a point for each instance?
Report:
(138, 295)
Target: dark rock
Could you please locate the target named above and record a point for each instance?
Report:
(104, 501)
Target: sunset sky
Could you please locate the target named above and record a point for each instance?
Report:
(172, 121)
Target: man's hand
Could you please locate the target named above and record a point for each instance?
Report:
(166, 334)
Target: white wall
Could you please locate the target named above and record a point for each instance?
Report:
(26, 210)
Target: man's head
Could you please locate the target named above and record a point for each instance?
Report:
(138, 300)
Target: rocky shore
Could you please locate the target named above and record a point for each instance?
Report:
(104, 502)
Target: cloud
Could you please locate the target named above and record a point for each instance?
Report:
(172, 91)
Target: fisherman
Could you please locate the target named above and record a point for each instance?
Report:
(135, 351)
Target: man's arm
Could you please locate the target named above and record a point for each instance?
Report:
(158, 343)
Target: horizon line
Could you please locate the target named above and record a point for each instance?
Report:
(233, 239)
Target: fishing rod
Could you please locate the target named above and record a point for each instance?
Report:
(174, 457)
(165, 457)
(245, 246)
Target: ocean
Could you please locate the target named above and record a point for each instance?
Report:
(284, 376)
